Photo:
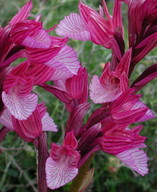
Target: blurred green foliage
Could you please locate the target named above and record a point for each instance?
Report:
(18, 160)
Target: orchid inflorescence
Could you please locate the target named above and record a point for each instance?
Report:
(49, 58)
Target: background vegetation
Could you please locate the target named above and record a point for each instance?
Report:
(18, 159)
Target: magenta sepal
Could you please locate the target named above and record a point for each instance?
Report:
(23, 14)
(30, 128)
(90, 25)
(124, 110)
(71, 91)
(89, 136)
(76, 117)
(58, 92)
(101, 114)
(119, 138)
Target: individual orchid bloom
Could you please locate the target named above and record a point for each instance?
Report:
(8, 49)
(72, 91)
(16, 95)
(18, 85)
(62, 165)
(30, 33)
(129, 109)
(119, 137)
(125, 144)
(32, 127)
(30, 40)
(40, 47)
(112, 83)
(90, 25)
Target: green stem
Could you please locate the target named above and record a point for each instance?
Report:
(77, 182)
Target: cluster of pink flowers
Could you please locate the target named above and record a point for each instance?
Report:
(49, 58)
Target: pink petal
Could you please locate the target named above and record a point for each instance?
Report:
(74, 27)
(41, 55)
(61, 75)
(59, 93)
(40, 73)
(48, 123)
(147, 40)
(135, 159)
(5, 119)
(59, 173)
(30, 34)
(9, 82)
(77, 86)
(66, 60)
(102, 94)
(70, 140)
(107, 14)
(117, 17)
(58, 41)
(42, 40)
(148, 115)
(42, 109)
(124, 63)
(75, 119)
(22, 14)
(28, 129)
(89, 136)
(21, 107)
(86, 11)
(101, 33)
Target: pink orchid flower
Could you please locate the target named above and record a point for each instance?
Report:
(71, 91)
(129, 109)
(16, 95)
(32, 127)
(74, 93)
(126, 144)
(28, 39)
(90, 25)
(62, 165)
(112, 83)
